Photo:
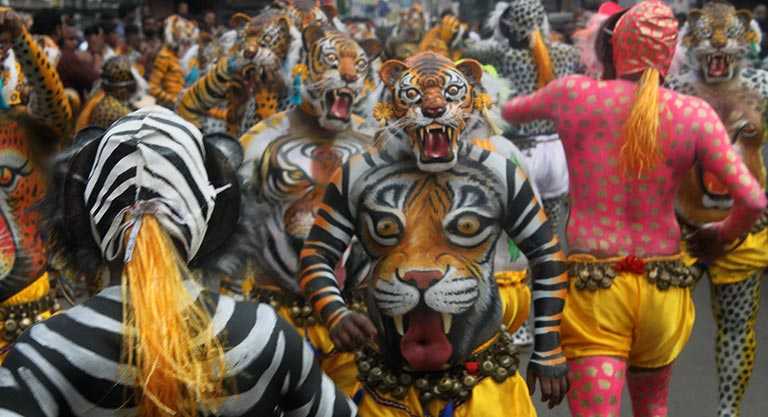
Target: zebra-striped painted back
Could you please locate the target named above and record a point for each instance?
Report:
(70, 365)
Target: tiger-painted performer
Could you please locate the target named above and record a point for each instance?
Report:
(156, 343)
(429, 207)
(521, 53)
(252, 81)
(410, 29)
(630, 145)
(445, 37)
(118, 88)
(167, 78)
(289, 160)
(718, 41)
(30, 131)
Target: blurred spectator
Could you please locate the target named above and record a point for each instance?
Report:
(94, 45)
(75, 68)
(183, 10)
(134, 48)
(113, 42)
(211, 24)
(128, 14)
(46, 28)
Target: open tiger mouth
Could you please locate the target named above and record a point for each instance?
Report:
(424, 343)
(719, 66)
(339, 104)
(436, 142)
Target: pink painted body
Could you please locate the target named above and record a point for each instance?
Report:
(617, 215)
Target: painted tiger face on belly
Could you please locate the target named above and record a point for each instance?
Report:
(431, 100)
(433, 239)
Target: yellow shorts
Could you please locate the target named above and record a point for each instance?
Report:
(340, 367)
(632, 319)
(743, 261)
(489, 399)
(33, 292)
(515, 296)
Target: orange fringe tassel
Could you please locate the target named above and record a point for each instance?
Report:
(640, 150)
(180, 365)
(545, 71)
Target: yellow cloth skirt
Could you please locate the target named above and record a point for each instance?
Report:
(489, 399)
(33, 292)
(741, 262)
(631, 319)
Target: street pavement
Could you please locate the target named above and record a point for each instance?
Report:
(694, 383)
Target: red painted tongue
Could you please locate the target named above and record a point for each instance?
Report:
(425, 346)
(713, 185)
(436, 144)
(717, 67)
(341, 105)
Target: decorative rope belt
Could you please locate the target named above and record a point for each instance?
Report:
(299, 309)
(14, 319)
(594, 274)
(498, 361)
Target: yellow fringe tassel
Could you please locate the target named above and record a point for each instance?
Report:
(640, 150)
(179, 364)
(541, 58)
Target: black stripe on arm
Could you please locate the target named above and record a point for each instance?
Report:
(318, 261)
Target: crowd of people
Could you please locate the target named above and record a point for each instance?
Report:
(300, 213)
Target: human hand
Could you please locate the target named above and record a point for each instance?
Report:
(552, 380)
(352, 332)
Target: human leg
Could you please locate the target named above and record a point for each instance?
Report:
(649, 390)
(596, 383)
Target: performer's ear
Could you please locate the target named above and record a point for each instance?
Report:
(312, 34)
(471, 69)
(390, 72)
(372, 48)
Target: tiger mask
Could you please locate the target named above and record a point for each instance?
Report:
(180, 33)
(718, 39)
(432, 286)
(337, 70)
(431, 100)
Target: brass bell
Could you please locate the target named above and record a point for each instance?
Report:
(421, 384)
(605, 282)
(399, 392)
(500, 374)
(653, 274)
(463, 394)
(610, 273)
(390, 380)
(506, 361)
(584, 274)
(405, 379)
(295, 311)
(469, 381)
(487, 367)
(9, 336)
(580, 283)
(364, 367)
(10, 325)
(25, 323)
(676, 280)
(311, 321)
(445, 384)
(377, 373)
(427, 396)
(306, 311)
(592, 285)
(457, 386)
